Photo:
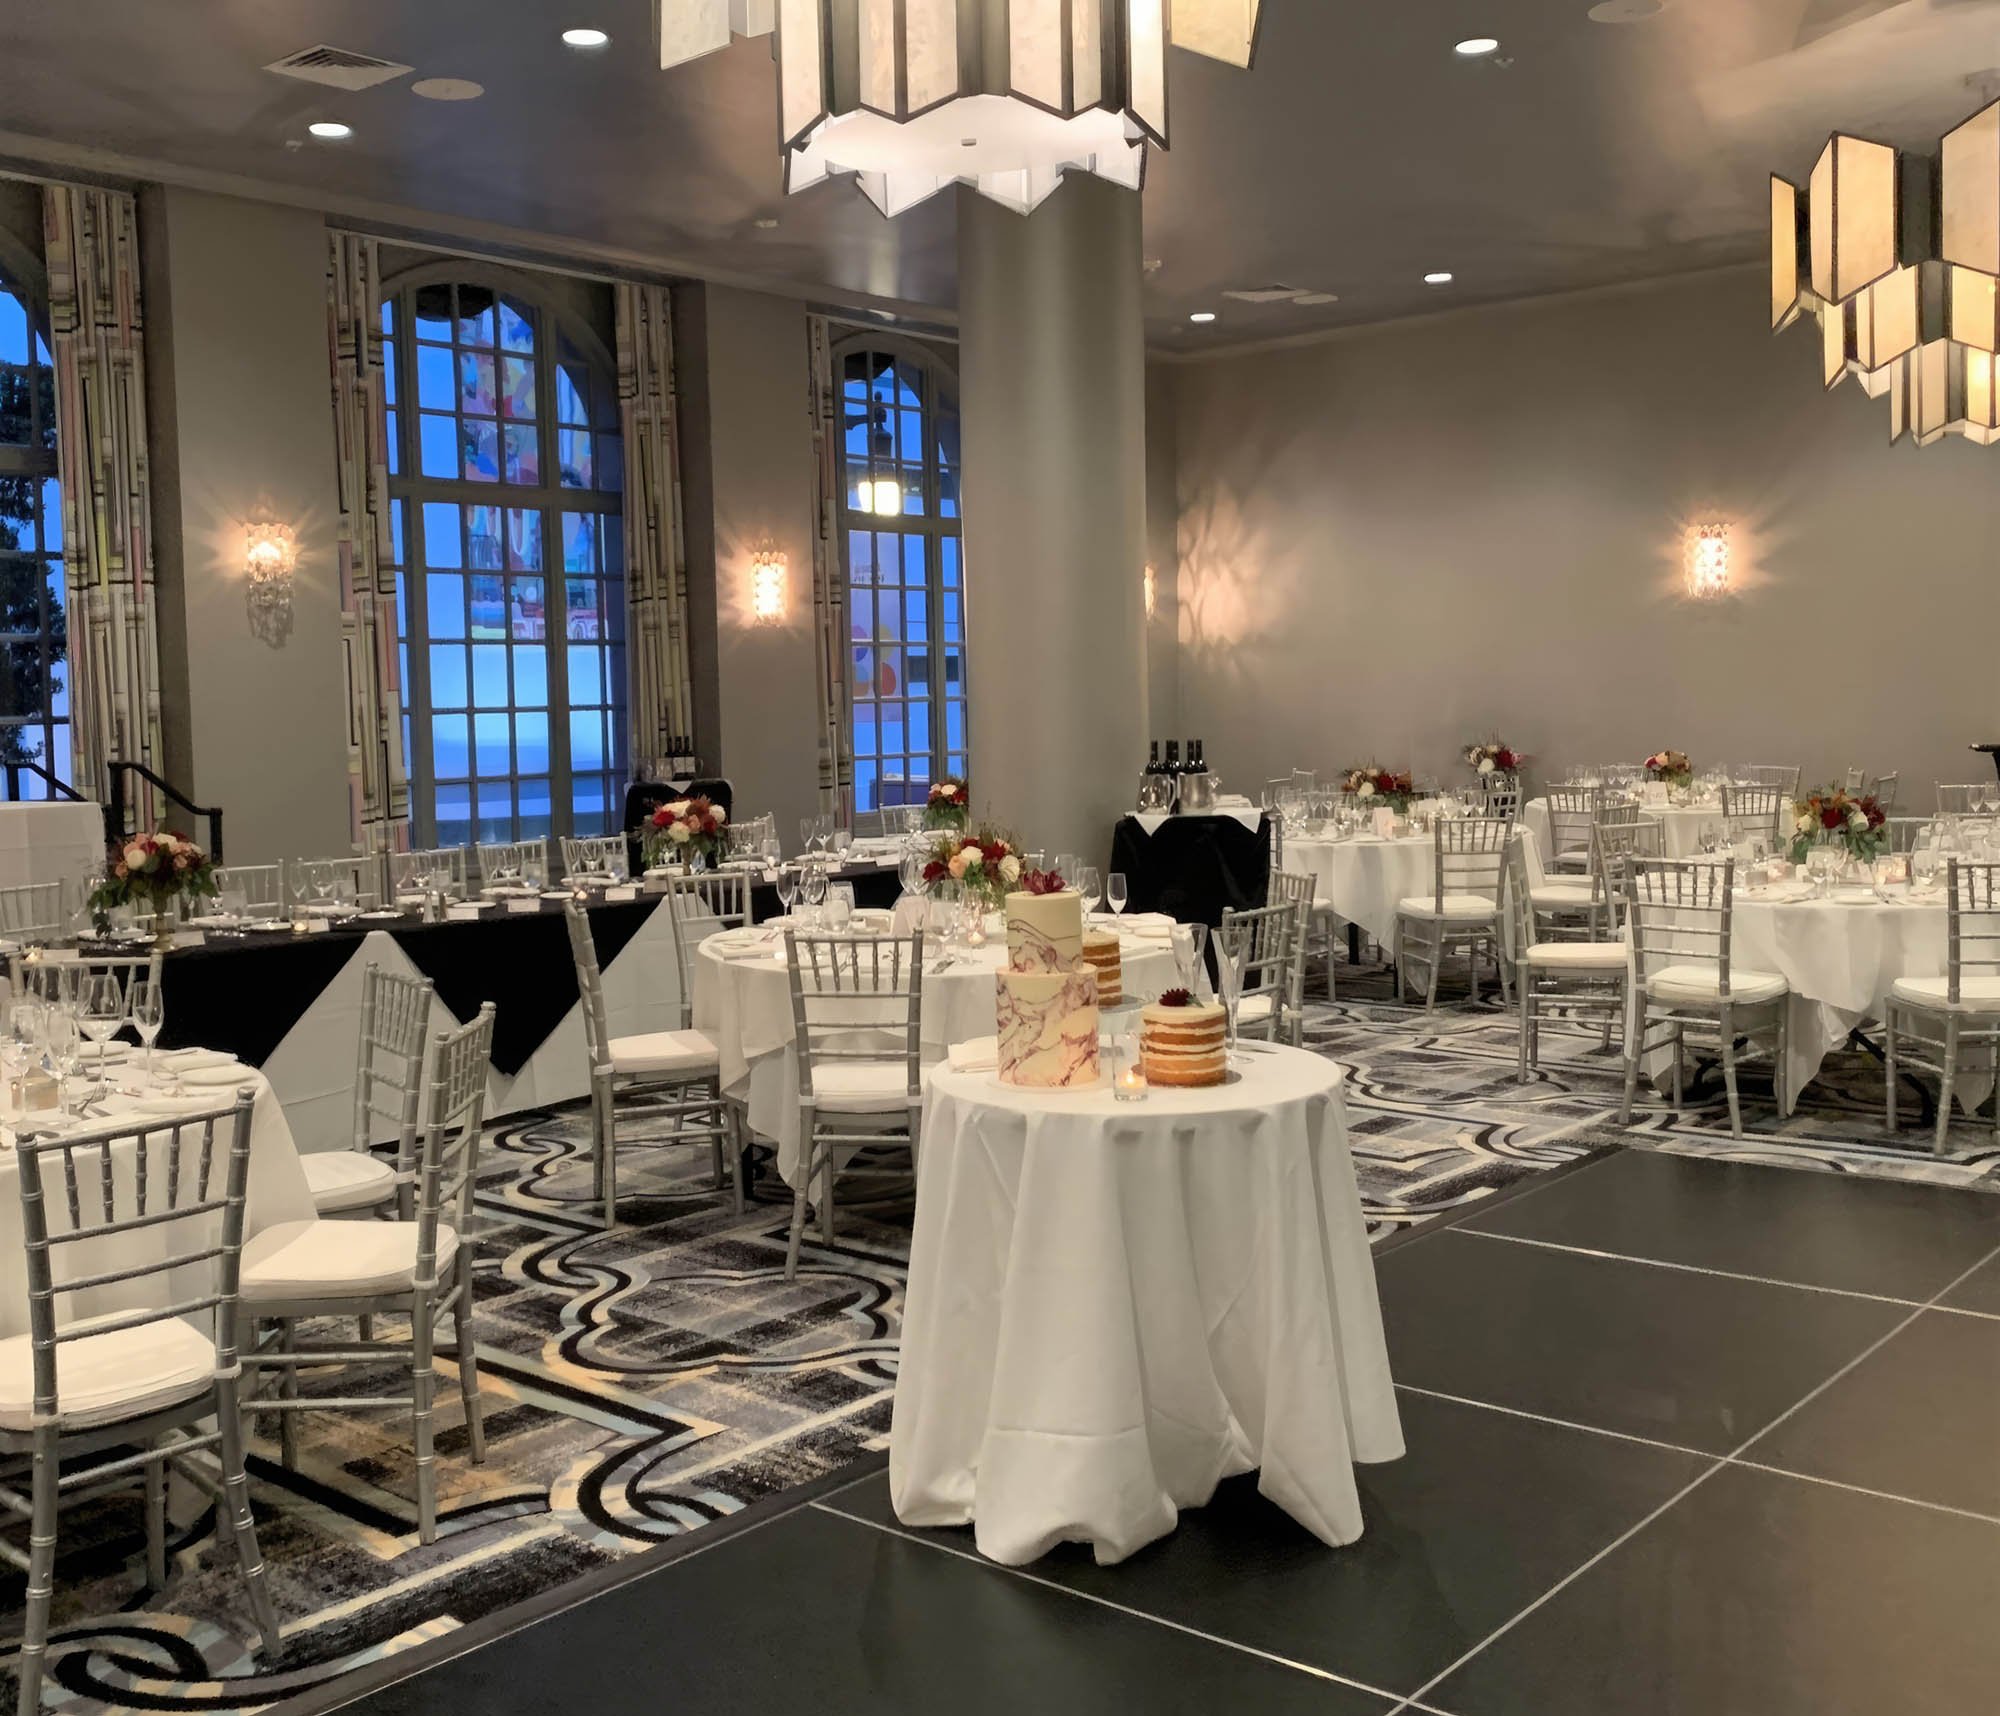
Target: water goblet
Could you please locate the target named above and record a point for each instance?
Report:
(1091, 886)
(1115, 895)
(812, 890)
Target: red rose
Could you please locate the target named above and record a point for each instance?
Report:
(1831, 818)
(935, 871)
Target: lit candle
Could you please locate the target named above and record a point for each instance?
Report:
(1129, 1083)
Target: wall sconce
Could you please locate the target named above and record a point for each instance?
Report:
(1707, 551)
(271, 559)
(1152, 594)
(767, 587)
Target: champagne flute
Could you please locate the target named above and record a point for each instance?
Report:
(149, 1013)
(1115, 895)
(65, 1047)
(788, 886)
(1229, 978)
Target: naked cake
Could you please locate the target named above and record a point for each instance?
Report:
(1182, 1041)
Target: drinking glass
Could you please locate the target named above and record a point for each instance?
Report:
(812, 890)
(21, 1036)
(1114, 891)
(1090, 885)
(839, 905)
(233, 902)
(149, 1013)
(1067, 865)
(65, 1049)
(1189, 941)
(322, 880)
(807, 826)
(1229, 979)
(788, 886)
(842, 839)
(531, 874)
(100, 1007)
(346, 902)
(912, 870)
(299, 879)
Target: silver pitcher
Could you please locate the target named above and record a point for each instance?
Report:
(1199, 793)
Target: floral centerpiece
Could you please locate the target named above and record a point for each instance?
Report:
(152, 871)
(1371, 786)
(1040, 882)
(1833, 816)
(1672, 767)
(1490, 757)
(949, 805)
(686, 829)
(981, 861)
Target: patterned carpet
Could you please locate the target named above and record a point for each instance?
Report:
(642, 1383)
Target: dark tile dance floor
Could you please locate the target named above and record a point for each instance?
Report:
(1686, 1438)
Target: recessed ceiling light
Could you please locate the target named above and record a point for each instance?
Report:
(1202, 316)
(586, 38)
(447, 89)
(330, 129)
(1439, 278)
(1473, 47)
(767, 224)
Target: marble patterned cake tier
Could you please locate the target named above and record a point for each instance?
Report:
(1047, 1028)
(1044, 932)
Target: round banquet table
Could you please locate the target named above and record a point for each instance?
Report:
(1685, 823)
(744, 1001)
(1361, 878)
(1113, 1306)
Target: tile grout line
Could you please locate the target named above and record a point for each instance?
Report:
(1728, 1459)
(1692, 1268)
(1025, 1577)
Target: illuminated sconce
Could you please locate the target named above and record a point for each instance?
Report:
(271, 560)
(767, 587)
(882, 496)
(1152, 593)
(1707, 550)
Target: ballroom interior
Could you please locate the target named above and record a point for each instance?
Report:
(1110, 1016)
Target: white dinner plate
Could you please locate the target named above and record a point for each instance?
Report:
(216, 1076)
(215, 920)
(163, 1107)
(187, 1060)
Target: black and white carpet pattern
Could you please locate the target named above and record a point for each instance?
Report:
(642, 1383)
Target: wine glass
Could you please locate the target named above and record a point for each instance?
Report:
(788, 886)
(912, 870)
(100, 1007)
(808, 825)
(1189, 942)
(1114, 891)
(1067, 865)
(1091, 886)
(1229, 979)
(812, 889)
(322, 880)
(149, 1013)
(299, 879)
(65, 1050)
(22, 1032)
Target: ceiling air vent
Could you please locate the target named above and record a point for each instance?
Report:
(337, 68)
(1303, 297)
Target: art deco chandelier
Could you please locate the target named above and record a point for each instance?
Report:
(910, 96)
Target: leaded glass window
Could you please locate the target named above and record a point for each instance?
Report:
(34, 680)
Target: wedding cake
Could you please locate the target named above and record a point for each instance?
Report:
(1181, 1041)
(1046, 1007)
(1102, 954)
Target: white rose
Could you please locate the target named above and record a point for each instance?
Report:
(1485, 765)
(135, 857)
(721, 816)
(1803, 824)
(1858, 821)
(1365, 790)
(1010, 870)
(678, 833)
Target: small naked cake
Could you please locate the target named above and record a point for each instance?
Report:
(1181, 1041)
(1046, 1003)
(1101, 953)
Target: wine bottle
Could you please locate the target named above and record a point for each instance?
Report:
(1153, 762)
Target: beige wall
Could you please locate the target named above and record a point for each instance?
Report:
(242, 429)
(1398, 541)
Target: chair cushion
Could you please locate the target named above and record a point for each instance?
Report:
(1564, 896)
(1577, 955)
(101, 1379)
(1254, 1008)
(1470, 906)
(347, 1180)
(862, 1087)
(1975, 994)
(665, 1052)
(1697, 983)
(337, 1259)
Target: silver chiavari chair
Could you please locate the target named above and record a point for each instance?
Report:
(61, 977)
(419, 1268)
(595, 858)
(261, 886)
(1572, 978)
(1463, 908)
(1502, 793)
(1613, 844)
(132, 1237)
(1753, 812)
(1958, 800)
(1301, 892)
(1571, 907)
(1263, 945)
(509, 863)
(1856, 780)
(1782, 776)
(1679, 919)
(1572, 815)
(1905, 832)
(412, 874)
(1962, 1008)
(856, 1024)
(666, 1075)
(388, 1093)
(363, 875)
(1884, 788)
(32, 914)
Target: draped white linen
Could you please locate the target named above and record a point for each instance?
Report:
(1112, 1307)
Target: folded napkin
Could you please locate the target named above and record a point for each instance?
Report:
(980, 1054)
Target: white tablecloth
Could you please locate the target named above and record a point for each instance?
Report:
(746, 1005)
(49, 842)
(1113, 1306)
(1685, 824)
(1362, 878)
(277, 1193)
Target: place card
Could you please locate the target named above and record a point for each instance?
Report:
(770, 875)
(528, 905)
(466, 913)
(619, 896)
(189, 938)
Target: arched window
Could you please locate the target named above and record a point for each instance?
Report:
(34, 690)
(506, 466)
(899, 533)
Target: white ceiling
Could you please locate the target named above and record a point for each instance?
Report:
(1358, 154)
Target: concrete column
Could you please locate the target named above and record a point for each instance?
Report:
(1053, 393)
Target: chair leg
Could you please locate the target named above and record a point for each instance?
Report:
(41, 1572)
(1680, 1059)
(1436, 969)
(367, 1322)
(734, 1121)
(1889, 1066)
(288, 1389)
(605, 1127)
(468, 1368)
(798, 1217)
(1729, 1075)
(826, 1201)
(423, 1393)
(156, 1526)
(1635, 1035)
(1950, 1079)
(1781, 1073)
(1524, 1057)
(235, 1505)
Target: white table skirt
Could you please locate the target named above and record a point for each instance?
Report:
(746, 1005)
(49, 842)
(277, 1192)
(1685, 824)
(1112, 1307)
(1362, 878)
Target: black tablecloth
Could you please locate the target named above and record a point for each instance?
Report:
(1193, 867)
(244, 994)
